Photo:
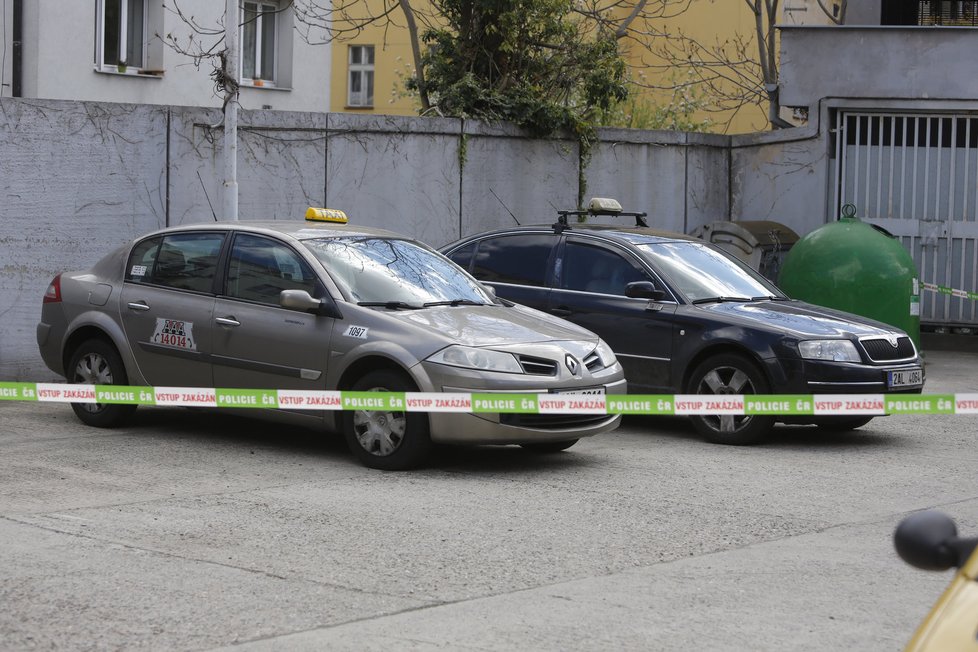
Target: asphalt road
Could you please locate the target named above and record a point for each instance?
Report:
(189, 530)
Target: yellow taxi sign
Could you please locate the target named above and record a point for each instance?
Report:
(314, 214)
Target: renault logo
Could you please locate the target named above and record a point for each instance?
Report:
(572, 364)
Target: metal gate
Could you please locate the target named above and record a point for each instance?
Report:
(916, 175)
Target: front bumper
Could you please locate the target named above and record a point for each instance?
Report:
(797, 376)
(492, 428)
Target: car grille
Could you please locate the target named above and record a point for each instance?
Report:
(553, 421)
(537, 366)
(880, 350)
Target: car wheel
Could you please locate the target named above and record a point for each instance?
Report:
(383, 439)
(96, 362)
(550, 446)
(726, 374)
(842, 423)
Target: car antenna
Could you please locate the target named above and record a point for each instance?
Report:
(205, 195)
(505, 206)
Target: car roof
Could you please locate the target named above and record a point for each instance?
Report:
(625, 234)
(298, 229)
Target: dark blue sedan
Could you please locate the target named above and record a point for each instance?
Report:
(685, 317)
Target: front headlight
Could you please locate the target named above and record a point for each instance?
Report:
(605, 354)
(472, 358)
(832, 350)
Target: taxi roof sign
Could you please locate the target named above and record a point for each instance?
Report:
(314, 214)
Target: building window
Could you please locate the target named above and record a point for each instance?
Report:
(956, 13)
(258, 31)
(361, 85)
(122, 34)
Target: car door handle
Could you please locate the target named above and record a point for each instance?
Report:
(137, 305)
(561, 312)
(227, 321)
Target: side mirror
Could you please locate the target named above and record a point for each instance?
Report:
(491, 291)
(644, 290)
(303, 301)
(929, 541)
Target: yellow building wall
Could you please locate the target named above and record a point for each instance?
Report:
(708, 21)
(393, 63)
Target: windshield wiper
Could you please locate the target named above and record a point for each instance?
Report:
(769, 297)
(390, 305)
(720, 299)
(455, 302)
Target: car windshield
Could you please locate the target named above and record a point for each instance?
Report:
(395, 273)
(703, 273)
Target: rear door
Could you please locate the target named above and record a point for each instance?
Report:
(168, 304)
(589, 290)
(257, 343)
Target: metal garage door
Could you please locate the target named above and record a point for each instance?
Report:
(916, 175)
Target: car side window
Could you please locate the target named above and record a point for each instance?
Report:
(595, 269)
(463, 257)
(183, 261)
(260, 268)
(520, 259)
(142, 260)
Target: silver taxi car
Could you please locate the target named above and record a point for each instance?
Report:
(321, 305)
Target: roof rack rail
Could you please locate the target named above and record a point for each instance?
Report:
(598, 206)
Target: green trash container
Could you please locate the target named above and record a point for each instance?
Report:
(853, 266)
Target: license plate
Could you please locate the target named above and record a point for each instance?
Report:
(592, 391)
(905, 377)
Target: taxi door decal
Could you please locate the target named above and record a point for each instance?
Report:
(175, 333)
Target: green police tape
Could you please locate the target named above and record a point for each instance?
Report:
(662, 404)
(943, 289)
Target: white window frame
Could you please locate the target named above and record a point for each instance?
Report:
(360, 99)
(101, 63)
(262, 9)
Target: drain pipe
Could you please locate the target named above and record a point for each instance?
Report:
(17, 60)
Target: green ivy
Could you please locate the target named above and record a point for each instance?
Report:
(528, 62)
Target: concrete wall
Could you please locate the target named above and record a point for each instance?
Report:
(876, 62)
(77, 179)
(780, 177)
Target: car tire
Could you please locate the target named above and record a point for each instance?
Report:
(96, 362)
(729, 373)
(550, 446)
(387, 440)
(842, 423)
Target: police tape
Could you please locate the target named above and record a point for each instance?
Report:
(505, 403)
(943, 289)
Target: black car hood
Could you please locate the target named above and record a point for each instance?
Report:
(798, 318)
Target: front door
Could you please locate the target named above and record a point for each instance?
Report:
(590, 291)
(257, 343)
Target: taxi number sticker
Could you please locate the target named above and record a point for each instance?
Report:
(176, 333)
(359, 332)
(139, 270)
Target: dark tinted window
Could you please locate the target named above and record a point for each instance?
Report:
(596, 269)
(184, 261)
(260, 268)
(463, 257)
(518, 259)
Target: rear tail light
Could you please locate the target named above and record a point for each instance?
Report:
(53, 293)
